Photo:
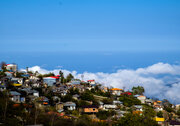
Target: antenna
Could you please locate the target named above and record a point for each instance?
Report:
(82, 77)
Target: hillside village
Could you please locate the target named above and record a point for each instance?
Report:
(30, 98)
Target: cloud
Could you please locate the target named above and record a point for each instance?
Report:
(156, 79)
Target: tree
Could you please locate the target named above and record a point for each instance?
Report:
(69, 77)
(73, 91)
(160, 114)
(129, 100)
(103, 115)
(61, 76)
(136, 120)
(167, 105)
(87, 96)
(3, 66)
(138, 90)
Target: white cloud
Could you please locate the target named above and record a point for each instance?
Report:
(153, 78)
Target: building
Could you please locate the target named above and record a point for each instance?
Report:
(59, 107)
(160, 121)
(17, 80)
(90, 109)
(142, 98)
(15, 96)
(174, 123)
(91, 82)
(69, 106)
(50, 81)
(116, 91)
(11, 67)
(109, 106)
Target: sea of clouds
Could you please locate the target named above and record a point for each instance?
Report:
(161, 80)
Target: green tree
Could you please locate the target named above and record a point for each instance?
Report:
(138, 90)
(73, 91)
(160, 114)
(69, 77)
(103, 115)
(129, 100)
(3, 66)
(136, 120)
(87, 96)
(61, 76)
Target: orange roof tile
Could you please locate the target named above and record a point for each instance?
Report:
(116, 89)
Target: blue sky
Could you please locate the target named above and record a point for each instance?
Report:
(90, 25)
(130, 42)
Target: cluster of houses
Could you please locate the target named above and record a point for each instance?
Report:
(26, 93)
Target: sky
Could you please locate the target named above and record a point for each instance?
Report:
(90, 25)
(116, 42)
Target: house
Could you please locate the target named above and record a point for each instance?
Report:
(160, 121)
(101, 105)
(15, 96)
(9, 74)
(90, 109)
(109, 106)
(158, 108)
(63, 93)
(126, 93)
(142, 98)
(174, 123)
(138, 107)
(29, 91)
(11, 67)
(17, 81)
(117, 102)
(23, 99)
(59, 107)
(104, 89)
(43, 100)
(76, 96)
(69, 106)
(177, 106)
(50, 81)
(91, 82)
(120, 113)
(149, 101)
(2, 87)
(75, 82)
(116, 91)
(157, 103)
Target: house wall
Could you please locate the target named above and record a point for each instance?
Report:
(16, 98)
(89, 110)
(50, 81)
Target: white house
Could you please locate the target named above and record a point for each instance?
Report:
(91, 81)
(69, 106)
(11, 67)
(109, 106)
(15, 96)
(142, 98)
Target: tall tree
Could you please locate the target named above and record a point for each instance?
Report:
(138, 90)
(69, 77)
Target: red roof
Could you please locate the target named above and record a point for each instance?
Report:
(91, 80)
(126, 93)
(53, 77)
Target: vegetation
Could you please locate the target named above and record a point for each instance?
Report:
(129, 100)
(160, 114)
(139, 90)
(136, 120)
(103, 115)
